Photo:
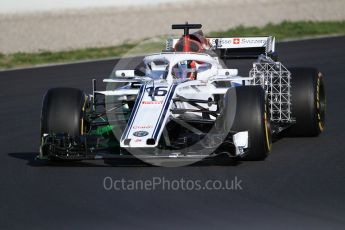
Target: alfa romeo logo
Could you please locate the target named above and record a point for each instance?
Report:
(140, 133)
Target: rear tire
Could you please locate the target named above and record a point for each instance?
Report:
(308, 102)
(249, 114)
(62, 111)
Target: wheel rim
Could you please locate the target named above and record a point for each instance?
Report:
(268, 133)
(320, 103)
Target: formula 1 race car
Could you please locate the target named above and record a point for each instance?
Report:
(187, 105)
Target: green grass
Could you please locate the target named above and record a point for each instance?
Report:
(282, 31)
(288, 30)
(31, 59)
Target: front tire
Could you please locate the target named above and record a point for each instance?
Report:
(62, 112)
(308, 102)
(245, 110)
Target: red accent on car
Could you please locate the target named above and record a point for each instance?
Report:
(186, 45)
(237, 41)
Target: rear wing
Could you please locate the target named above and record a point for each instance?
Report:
(236, 47)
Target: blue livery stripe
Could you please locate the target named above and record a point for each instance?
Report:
(164, 112)
(160, 114)
(134, 112)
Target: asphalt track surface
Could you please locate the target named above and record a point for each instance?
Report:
(300, 186)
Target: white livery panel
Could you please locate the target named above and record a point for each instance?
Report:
(149, 116)
(233, 43)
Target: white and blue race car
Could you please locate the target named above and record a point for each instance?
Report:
(186, 104)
